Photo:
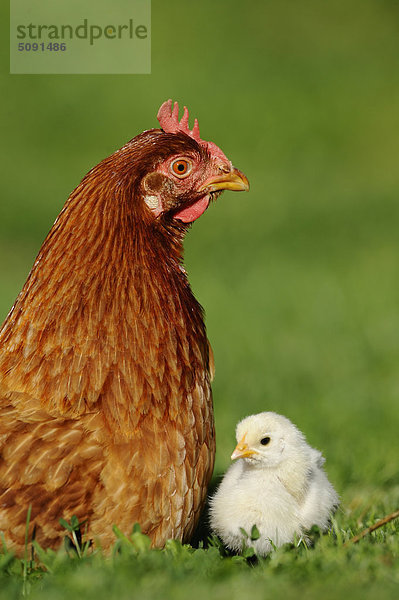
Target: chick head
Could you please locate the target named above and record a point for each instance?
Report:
(267, 439)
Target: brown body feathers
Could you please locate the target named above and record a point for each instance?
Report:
(105, 369)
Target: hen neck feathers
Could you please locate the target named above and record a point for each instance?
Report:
(106, 310)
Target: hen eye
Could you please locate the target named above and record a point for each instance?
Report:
(264, 441)
(181, 167)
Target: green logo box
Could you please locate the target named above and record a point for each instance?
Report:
(80, 36)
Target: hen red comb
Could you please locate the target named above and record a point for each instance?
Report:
(169, 120)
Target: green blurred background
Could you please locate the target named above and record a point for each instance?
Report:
(299, 278)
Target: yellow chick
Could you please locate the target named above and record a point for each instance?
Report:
(278, 484)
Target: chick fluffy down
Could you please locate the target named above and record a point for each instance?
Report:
(283, 490)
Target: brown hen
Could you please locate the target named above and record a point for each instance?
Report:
(105, 368)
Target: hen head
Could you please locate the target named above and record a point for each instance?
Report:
(177, 172)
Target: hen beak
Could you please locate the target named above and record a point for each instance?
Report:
(242, 450)
(235, 180)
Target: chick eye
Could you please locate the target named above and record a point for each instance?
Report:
(264, 441)
(181, 167)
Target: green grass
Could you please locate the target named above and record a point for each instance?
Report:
(299, 278)
(329, 567)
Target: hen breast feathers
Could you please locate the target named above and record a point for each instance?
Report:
(105, 368)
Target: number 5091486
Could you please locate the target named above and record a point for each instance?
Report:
(42, 47)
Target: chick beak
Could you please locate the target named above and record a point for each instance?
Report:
(242, 450)
(234, 180)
